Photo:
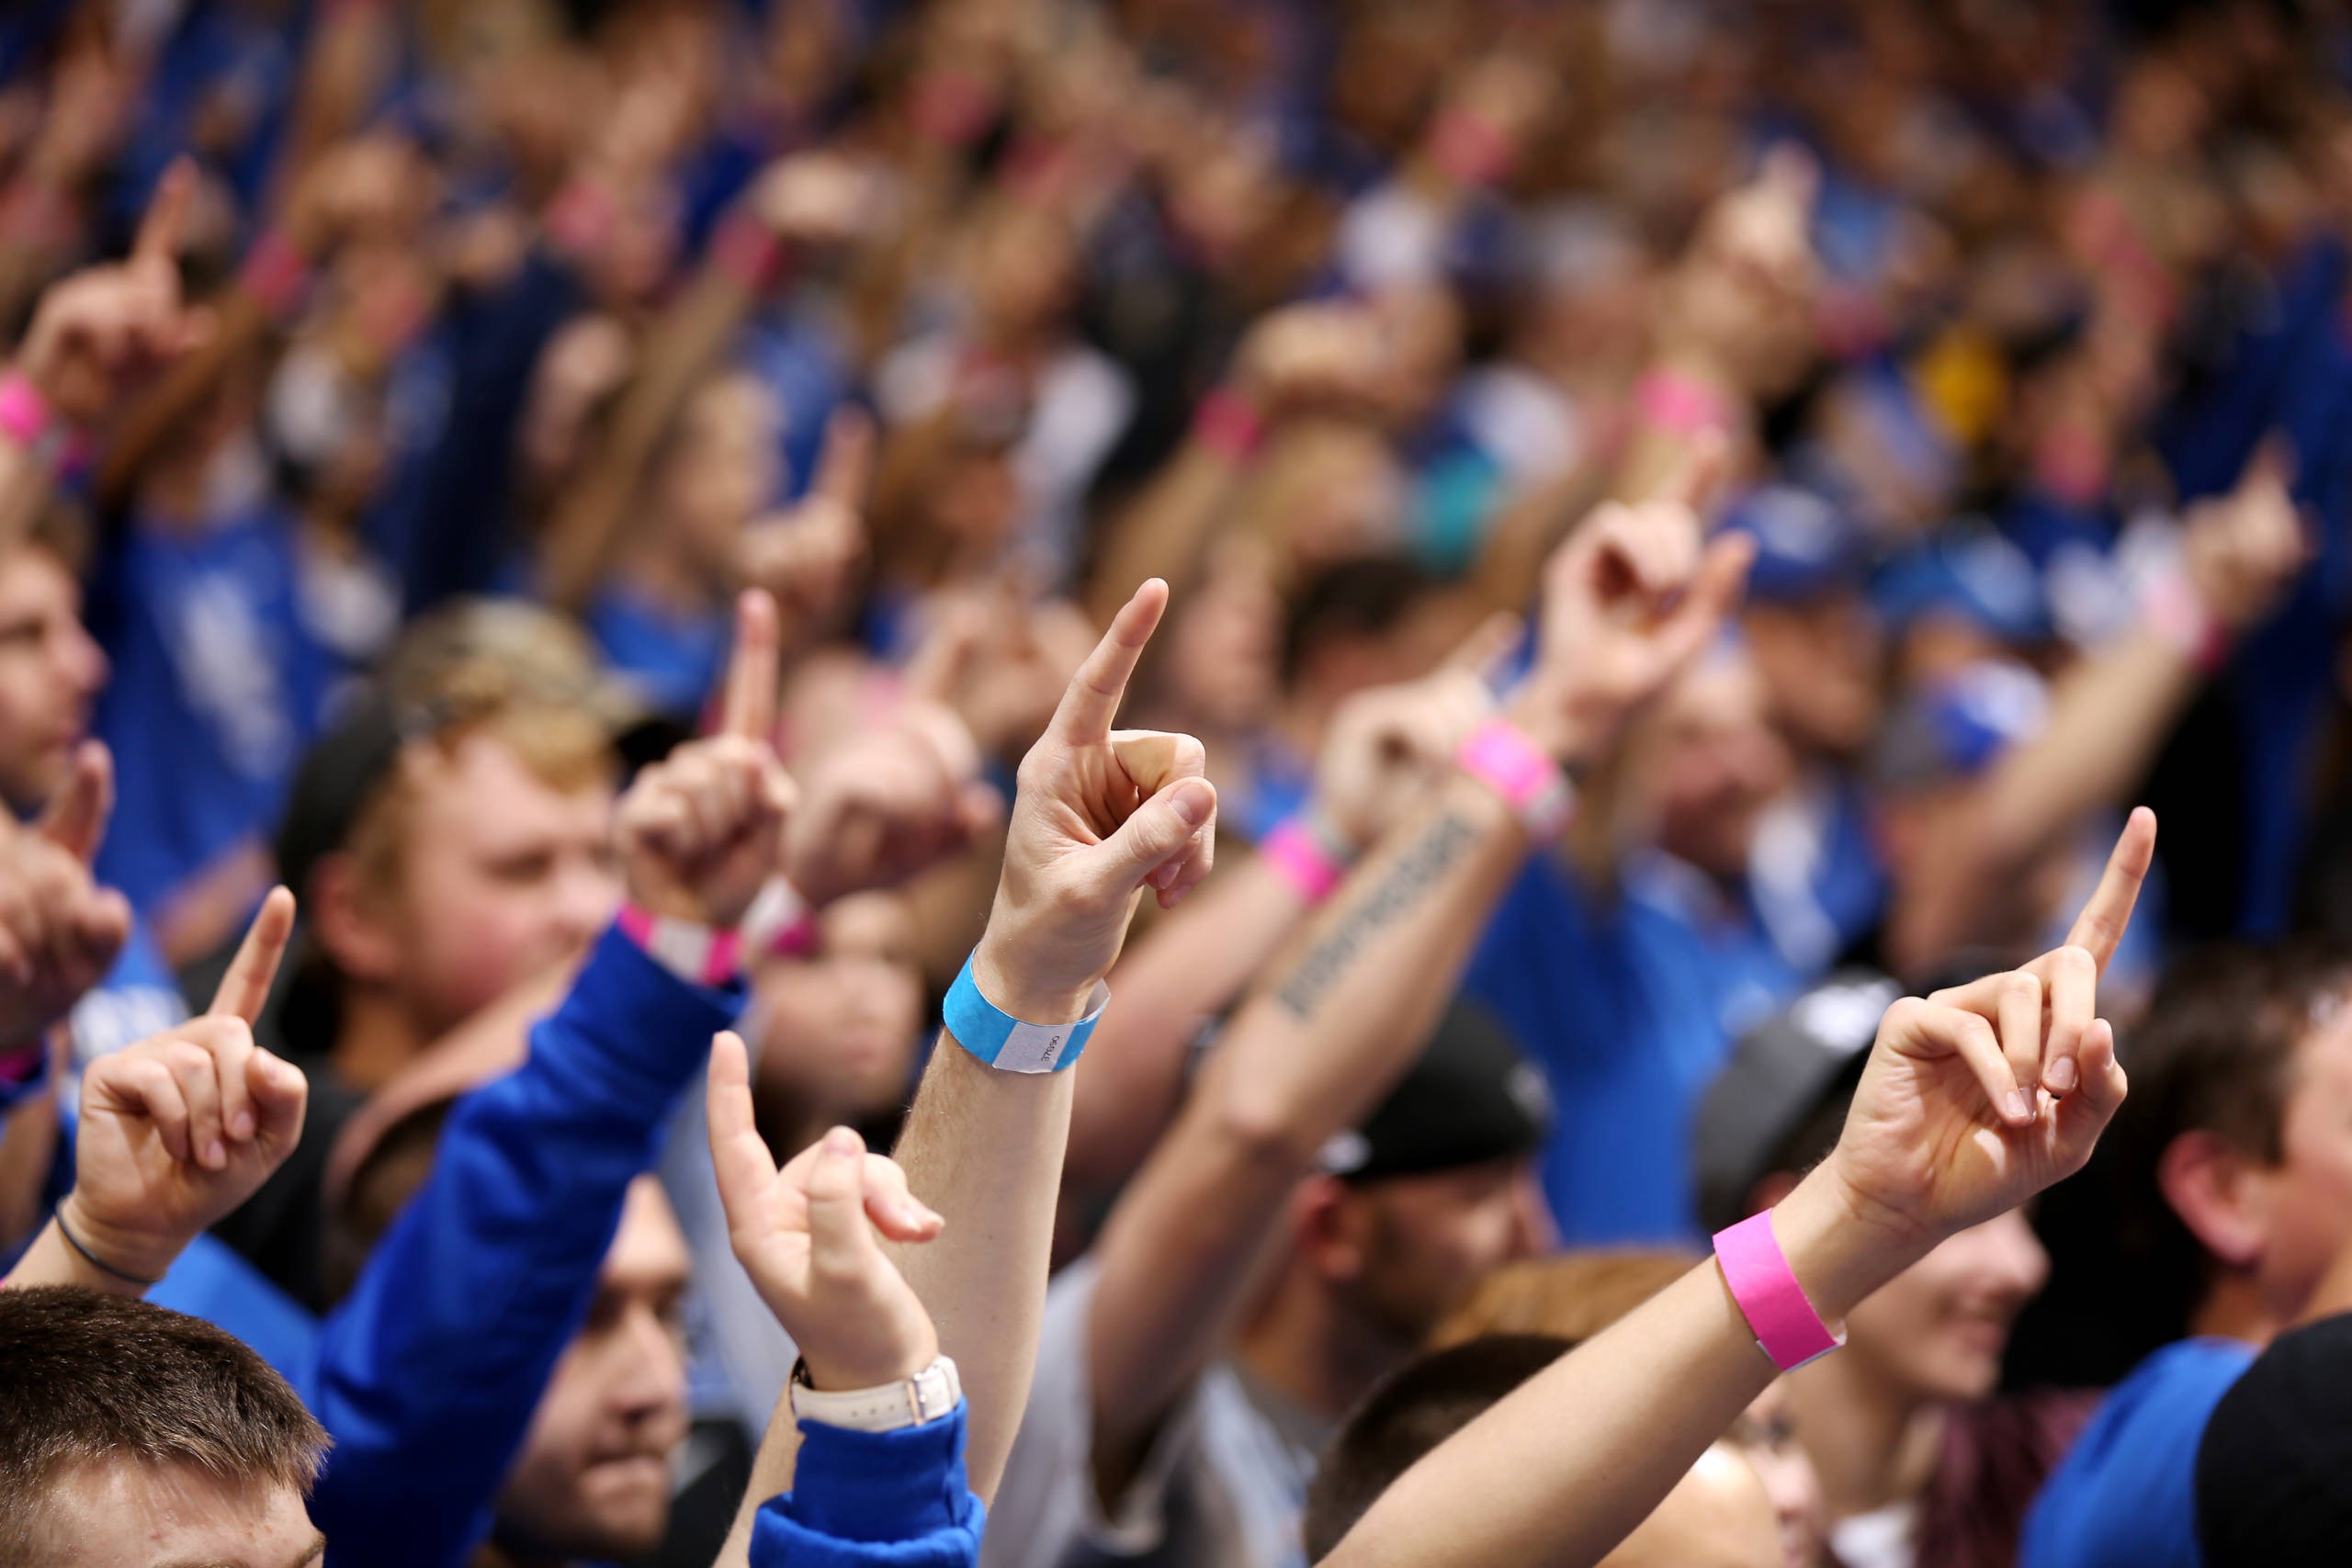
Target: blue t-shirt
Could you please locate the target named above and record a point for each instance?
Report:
(1628, 1008)
(139, 997)
(2126, 1496)
(218, 687)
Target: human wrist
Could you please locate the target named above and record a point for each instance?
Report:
(1017, 988)
(111, 1258)
(1842, 1244)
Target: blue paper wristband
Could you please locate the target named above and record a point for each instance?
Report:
(1006, 1043)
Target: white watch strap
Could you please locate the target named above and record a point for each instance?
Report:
(929, 1394)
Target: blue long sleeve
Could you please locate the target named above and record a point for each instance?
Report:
(428, 1374)
(874, 1500)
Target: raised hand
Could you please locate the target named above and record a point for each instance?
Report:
(1101, 815)
(702, 830)
(805, 1233)
(1740, 305)
(1628, 599)
(1948, 1127)
(179, 1129)
(59, 930)
(1308, 356)
(97, 332)
(1389, 744)
(888, 803)
(808, 555)
(820, 198)
(2239, 550)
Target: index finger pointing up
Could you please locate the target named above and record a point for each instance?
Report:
(2099, 927)
(166, 214)
(750, 708)
(245, 988)
(1095, 692)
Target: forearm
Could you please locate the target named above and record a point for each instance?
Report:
(1166, 531)
(1566, 1467)
(1190, 967)
(1309, 1055)
(53, 1260)
(2108, 716)
(984, 1149)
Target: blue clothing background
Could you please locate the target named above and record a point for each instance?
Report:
(2126, 1496)
(218, 687)
(1628, 1008)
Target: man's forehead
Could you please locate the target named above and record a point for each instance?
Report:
(128, 1513)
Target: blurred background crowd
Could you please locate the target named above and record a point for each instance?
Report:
(521, 335)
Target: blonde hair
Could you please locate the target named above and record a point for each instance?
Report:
(1574, 1295)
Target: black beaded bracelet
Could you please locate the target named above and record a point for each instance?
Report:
(96, 1261)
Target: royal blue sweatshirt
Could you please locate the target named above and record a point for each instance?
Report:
(429, 1371)
(874, 1500)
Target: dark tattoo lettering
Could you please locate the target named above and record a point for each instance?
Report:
(1404, 884)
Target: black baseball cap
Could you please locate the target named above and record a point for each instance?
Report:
(1778, 1077)
(1471, 1098)
(2274, 1471)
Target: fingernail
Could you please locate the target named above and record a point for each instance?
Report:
(1193, 801)
(215, 1157)
(241, 1126)
(841, 1141)
(2014, 1106)
(2061, 1076)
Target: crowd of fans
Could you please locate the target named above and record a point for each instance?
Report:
(572, 565)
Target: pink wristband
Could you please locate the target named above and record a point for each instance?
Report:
(2171, 608)
(1228, 426)
(1299, 855)
(780, 924)
(1499, 755)
(1787, 1327)
(25, 413)
(698, 954)
(1680, 404)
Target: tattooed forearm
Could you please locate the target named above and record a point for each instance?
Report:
(1404, 884)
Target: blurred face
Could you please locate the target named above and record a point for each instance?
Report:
(1766, 1437)
(1938, 1329)
(593, 1477)
(1715, 764)
(51, 671)
(723, 467)
(1420, 1244)
(1717, 1517)
(1819, 663)
(2307, 1197)
(839, 1026)
(127, 1513)
(500, 876)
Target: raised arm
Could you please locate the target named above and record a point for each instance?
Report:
(2111, 710)
(1627, 601)
(1386, 749)
(1558, 1472)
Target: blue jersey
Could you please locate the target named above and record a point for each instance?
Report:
(2126, 1496)
(1629, 1007)
(139, 997)
(673, 660)
(218, 688)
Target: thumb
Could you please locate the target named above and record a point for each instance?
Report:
(2271, 467)
(77, 819)
(1691, 482)
(281, 1096)
(1159, 830)
(1723, 576)
(839, 1238)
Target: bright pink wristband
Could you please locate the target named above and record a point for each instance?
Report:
(698, 954)
(1228, 426)
(1298, 854)
(1787, 1327)
(25, 413)
(1680, 404)
(2172, 609)
(1499, 755)
(780, 924)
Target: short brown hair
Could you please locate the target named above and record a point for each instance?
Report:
(2216, 1054)
(1573, 1295)
(86, 1377)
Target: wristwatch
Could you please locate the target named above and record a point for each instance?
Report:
(929, 1394)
